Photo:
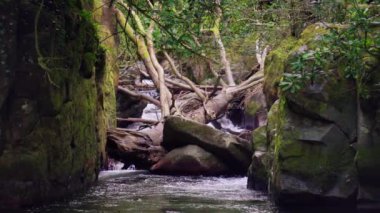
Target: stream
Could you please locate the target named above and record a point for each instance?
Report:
(140, 191)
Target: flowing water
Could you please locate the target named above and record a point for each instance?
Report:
(139, 191)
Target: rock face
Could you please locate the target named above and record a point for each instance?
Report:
(368, 147)
(234, 152)
(190, 160)
(322, 143)
(56, 99)
(258, 171)
(313, 161)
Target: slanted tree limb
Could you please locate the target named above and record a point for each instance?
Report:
(191, 84)
(133, 120)
(145, 49)
(138, 95)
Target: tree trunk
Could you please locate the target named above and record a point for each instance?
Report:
(132, 147)
(218, 40)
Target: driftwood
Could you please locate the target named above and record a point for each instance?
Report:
(132, 147)
(132, 120)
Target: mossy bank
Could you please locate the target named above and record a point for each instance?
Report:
(56, 97)
(323, 140)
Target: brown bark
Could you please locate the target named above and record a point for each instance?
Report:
(138, 95)
(131, 147)
(132, 120)
(191, 84)
(142, 148)
(145, 49)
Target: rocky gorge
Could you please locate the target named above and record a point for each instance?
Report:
(319, 145)
(57, 98)
(66, 109)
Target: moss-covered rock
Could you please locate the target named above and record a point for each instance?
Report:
(274, 69)
(259, 139)
(233, 151)
(53, 125)
(278, 60)
(259, 170)
(313, 161)
(368, 147)
(310, 133)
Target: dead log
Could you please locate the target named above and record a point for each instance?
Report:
(133, 120)
(132, 147)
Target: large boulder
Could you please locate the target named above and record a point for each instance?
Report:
(313, 161)
(56, 98)
(368, 147)
(277, 61)
(333, 101)
(190, 160)
(311, 133)
(233, 151)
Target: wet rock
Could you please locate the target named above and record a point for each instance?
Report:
(55, 101)
(312, 134)
(232, 150)
(256, 107)
(190, 160)
(334, 101)
(259, 170)
(313, 161)
(368, 147)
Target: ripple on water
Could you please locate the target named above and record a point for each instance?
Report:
(143, 192)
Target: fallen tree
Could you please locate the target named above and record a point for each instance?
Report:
(198, 103)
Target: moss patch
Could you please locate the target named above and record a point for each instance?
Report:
(73, 90)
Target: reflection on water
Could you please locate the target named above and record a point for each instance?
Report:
(136, 191)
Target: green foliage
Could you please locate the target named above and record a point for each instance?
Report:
(348, 44)
(307, 67)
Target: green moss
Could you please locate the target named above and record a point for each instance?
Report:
(274, 68)
(311, 36)
(319, 165)
(61, 153)
(278, 60)
(252, 108)
(87, 66)
(259, 139)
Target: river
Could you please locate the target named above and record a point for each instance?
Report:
(140, 191)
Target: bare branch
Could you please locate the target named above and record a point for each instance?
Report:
(261, 55)
(184, 78)
(153, 122)
(138, 95)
